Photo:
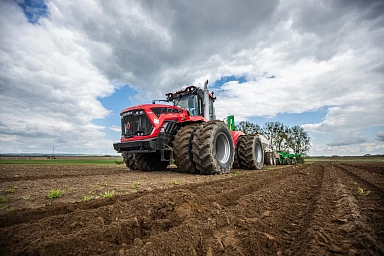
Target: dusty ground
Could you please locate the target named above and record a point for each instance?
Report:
(310, 209)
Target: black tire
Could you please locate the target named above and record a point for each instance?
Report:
(268, 160)
(129, 161)
(182, 149)
(150, 162)
(250, 152)
(274, 158)
(236, 164)
(212, 148)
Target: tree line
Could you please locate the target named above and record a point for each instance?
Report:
(280, 136)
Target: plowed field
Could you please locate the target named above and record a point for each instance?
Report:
(308, 209)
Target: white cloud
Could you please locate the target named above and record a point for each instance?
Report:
(115, 128)
(321, 56)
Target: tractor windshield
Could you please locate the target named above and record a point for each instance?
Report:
(189, 103)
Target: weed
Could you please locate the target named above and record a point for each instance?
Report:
(108, 194)
(104, 183)
(91, 193)
(26, 197)
(85, 198)
(12, 189)
(136, 185)
(119, 162)
(55, 193)
(173, 182)
(4, 199)
(362, 192)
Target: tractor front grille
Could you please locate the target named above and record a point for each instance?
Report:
(135, 123)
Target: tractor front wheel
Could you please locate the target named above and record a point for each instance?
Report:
(129, 161)
(150, 162)
(182, 146)
(212, 148)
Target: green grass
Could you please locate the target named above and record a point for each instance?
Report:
(344, 159)
(107, 161)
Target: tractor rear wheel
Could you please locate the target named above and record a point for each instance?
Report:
(182, 145)
(212, 148)
(250, 152)
(129, 161)
(150, 162)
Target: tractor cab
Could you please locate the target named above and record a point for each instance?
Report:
(192, 100)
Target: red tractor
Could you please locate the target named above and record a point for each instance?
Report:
(154, 134)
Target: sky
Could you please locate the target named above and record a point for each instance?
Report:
(67, 68)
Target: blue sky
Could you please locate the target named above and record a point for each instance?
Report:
(70, 68)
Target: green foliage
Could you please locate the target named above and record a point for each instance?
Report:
(280, 137)
(55, 193)
(27, 197)
(4, 199)
(249, 128)
(108, 194)
(119, 162)
(136, 185)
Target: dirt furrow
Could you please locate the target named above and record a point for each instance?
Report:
(314, 209)
(150, 215)
(371, 180)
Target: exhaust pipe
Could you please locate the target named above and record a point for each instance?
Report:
(206, 101)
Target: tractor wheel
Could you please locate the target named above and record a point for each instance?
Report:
(250, 152)
(129, 161)
(212, 148)
(268, 160)
(294, 161)
(150, 162)
(182, 149)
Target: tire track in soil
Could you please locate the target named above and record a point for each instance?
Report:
(278, 215)
(369, 179)
(64, 229)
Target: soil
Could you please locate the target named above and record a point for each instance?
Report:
(308, 209)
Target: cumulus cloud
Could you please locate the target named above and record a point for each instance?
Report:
(380, 136)
(345, 139)
(295, 56)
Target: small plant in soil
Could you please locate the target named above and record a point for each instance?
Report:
(12, 189)
(136, 185)
(104, 183)
(55, 193)
(362, 192)
(108, 194)
(85, 198)
(26, 197)
(173, 182)
(119, 162)
(4, 199)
